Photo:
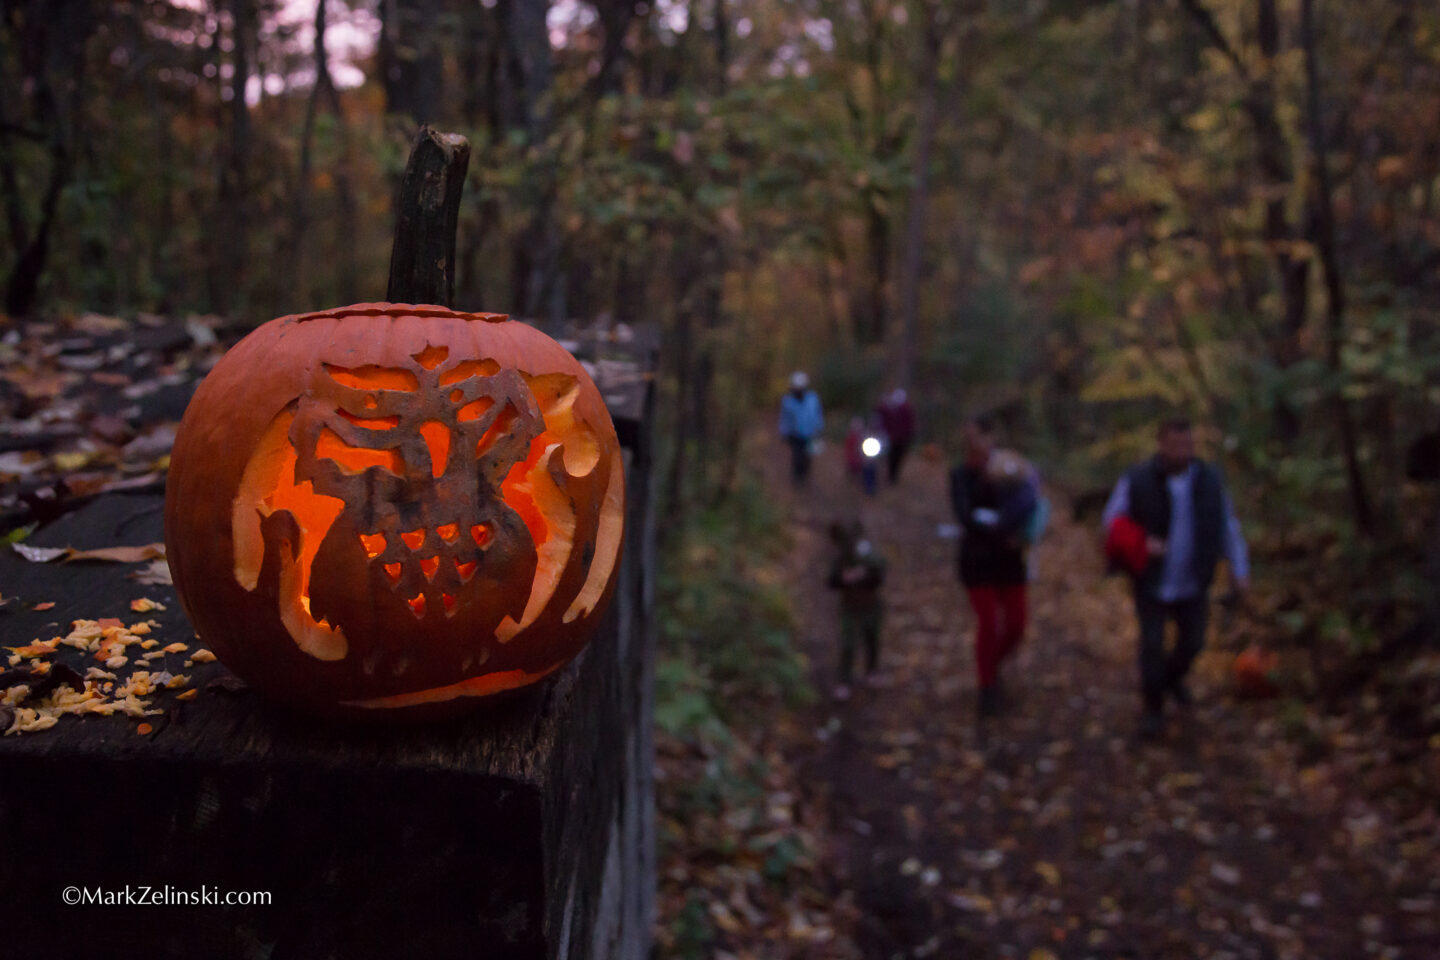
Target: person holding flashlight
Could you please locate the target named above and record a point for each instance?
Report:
(873, 445)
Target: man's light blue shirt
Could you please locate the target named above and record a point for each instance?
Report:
(1177, 580)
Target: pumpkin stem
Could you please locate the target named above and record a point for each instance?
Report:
(427, 208)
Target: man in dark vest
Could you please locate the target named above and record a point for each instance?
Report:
(1189, 523)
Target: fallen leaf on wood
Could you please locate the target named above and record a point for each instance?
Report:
(98, 323)
(157, 573)
(21, 463)
(112, 429)
(150, 551)
(72, 460)
(229, 683)
(40, 554)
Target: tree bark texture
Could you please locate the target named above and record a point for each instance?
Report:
(1323, 219)
(913, 264)
(49, 39)
(1272, 157)
(411, 66)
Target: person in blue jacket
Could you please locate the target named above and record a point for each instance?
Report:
(801, 421)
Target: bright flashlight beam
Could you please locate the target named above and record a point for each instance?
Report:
(870, 447)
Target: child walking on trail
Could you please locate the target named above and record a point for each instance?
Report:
(858, 573)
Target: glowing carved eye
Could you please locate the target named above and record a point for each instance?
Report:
(415, 539)
(374, 378)
(432, 356)
(468, 369)
(417, 605)
(481, 533)
(430, 566)
(466, 570)
(503, 424)
(374, 423)
(374, 544)
(448, 531)
(356, 460)
(449, 603)
(473, 410)
(437, 441)
(393, 571)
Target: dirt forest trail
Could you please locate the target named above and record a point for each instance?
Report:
(1051, 832)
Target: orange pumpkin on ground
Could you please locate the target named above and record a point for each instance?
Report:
(392, 507)
(1253, 670)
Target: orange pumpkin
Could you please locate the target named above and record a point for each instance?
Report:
(391, 507)
(1253, 672)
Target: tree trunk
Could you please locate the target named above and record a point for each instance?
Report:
(1323, 218)
(290, 299)
(877, 236)
(348, 226)
(1272, 156)
(229, 255)
(928, 121)
(411, 67)
(615, 19)
(722, 47)
(50, 41)
(1277, 177)
(536, 265)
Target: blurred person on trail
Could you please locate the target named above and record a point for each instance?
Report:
(897, 417)
(801, 421)
(858, 572)
(995, 494)
(1177, 505)
(874, 444)
(854, 453)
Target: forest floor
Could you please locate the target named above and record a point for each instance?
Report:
(1051, 831)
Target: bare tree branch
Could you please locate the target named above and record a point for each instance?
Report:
(1206, 20)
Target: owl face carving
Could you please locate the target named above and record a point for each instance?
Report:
(438, 524)
(418, 456)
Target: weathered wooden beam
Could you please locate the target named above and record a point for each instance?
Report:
(427, 210)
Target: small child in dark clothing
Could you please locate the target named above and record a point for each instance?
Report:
(858, 573)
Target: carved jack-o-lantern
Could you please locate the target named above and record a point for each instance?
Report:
(393, 506)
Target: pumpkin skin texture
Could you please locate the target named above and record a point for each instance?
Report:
(389, 509)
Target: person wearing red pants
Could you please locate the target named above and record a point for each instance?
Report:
(994, 493)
